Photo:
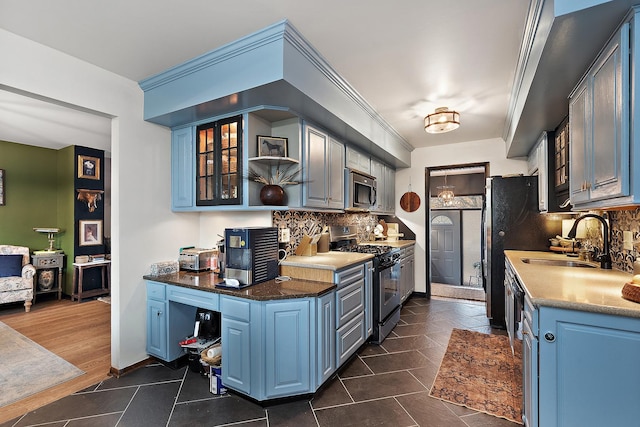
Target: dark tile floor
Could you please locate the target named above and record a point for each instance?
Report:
(386, 385)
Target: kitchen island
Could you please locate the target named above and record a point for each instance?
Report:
(279, 338)
(581, 342)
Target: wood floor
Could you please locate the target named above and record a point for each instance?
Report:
(79, 333)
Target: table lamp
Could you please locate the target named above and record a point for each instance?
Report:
(50, 235)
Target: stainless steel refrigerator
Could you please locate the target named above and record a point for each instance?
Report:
(511, 220)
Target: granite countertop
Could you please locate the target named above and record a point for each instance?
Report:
(393, 243)
(269, 290)
(585, 289)
(332, 260)
(336, 260)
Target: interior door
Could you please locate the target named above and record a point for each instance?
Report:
(445, 247)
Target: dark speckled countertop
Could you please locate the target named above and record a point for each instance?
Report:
(270, 290)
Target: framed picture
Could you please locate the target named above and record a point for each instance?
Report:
(88, 167)
(1, 187)
(90, 232)
(272, 146)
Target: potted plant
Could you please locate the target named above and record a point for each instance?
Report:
(272, 193)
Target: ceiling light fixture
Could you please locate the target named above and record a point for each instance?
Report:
(443, 120)
(445, 194)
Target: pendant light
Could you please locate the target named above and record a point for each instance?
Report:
(443, 120)
(445, 194)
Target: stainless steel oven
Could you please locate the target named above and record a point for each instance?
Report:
(386, 293)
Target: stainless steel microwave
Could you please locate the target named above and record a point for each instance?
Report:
(360, 191)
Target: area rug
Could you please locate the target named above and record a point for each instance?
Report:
(479, 371)
(27, 368)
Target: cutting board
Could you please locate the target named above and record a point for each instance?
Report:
(410, 202)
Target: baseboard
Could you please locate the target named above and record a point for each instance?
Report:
(119, 372)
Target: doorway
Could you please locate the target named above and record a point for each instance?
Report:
(445, 247)
(455, 201)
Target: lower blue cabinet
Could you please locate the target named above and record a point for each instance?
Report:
(326, 338)
(157, 329)
(588, 374)
(287, 353)
(270, 349)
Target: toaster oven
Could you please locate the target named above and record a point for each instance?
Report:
(195, 259)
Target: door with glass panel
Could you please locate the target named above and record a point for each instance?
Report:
(219, 157)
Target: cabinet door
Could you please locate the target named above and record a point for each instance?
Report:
(315, 189)
(588, 372)
(157, 329)
(183, 160)
(579, 145)
(368, 292)
(390, 189)
(543, 173)
(326, 340)
(236, 354)
(358, 160)
(287, 364)
(350, 301)
(349, 338)
(529, 376)
(610, 120)
(335, 177)
(377, 170)
(219, 162)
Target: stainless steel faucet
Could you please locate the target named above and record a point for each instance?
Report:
(605, 256)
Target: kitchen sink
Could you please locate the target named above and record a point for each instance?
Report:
(557, 262)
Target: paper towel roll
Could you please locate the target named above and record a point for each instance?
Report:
(213, 352)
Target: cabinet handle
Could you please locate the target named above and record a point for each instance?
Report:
(159, 314)
(549, 337)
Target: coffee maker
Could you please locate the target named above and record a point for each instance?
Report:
(251, 254)
(221, 259)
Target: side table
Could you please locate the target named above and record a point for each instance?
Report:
(45, 280)
(78, 270)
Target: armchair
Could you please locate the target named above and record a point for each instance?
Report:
(16, 275)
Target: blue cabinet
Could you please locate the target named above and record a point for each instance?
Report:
(324, 161)
(157, 329)
(588, 373)
(368, 299)
(287, 353)
(167, 323)
(326, 338)
(351, 297)
(236, 344)
(183, 162)
(530, 364)
(602, 112)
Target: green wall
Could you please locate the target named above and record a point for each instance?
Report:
(31, 195)
(39, 187)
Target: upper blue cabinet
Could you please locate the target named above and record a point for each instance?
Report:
(274, 69)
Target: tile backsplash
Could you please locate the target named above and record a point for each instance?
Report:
(626, 220)
(300, 222)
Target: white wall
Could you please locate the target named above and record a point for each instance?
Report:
(489, 150)
(471, 242)
(212, 224)
(144, 230)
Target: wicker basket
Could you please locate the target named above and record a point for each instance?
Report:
(631, 291)
(214, 361)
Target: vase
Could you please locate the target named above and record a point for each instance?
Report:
(272, 195)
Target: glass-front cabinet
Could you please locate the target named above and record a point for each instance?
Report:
(219, 158)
